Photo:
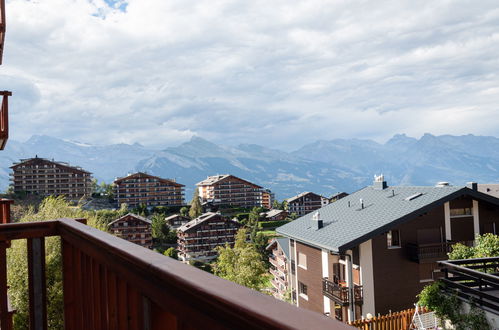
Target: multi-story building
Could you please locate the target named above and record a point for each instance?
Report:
(177, 220)
(305, 202)
(133, 228)
(279, 261)
(230, 190)
(267, 199)
(374, 250)
(45, 177)
(198, 238)
(141, 188)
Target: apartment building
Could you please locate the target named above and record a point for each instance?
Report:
(230, 190)
(45, 177)
(374, 250)
(279, 261)
(141, 188)
(306, 202)
(198, 238)
(133, 228)
(175, 221)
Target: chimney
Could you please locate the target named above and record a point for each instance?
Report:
(472, 185)
(317, 222)
(379, 182)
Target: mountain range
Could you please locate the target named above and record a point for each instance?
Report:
(325, 167)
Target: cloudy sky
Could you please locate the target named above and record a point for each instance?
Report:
(278, 73)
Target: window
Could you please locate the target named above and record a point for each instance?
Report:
(302, 290)
(461, 212)
(302, 260)
(393, 239)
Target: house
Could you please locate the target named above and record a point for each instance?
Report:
(374, 250)
(305, 202)
(230, 190)
(267, 198)
(337, 196)
(141, 188)
(45, 177)
(133, 228)
(491, 189)
(177, 220)
(275, 215)
(198, 238)
(279, 260)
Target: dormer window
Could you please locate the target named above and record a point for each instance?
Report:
(393, 239)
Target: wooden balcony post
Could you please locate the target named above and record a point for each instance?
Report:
(5, 315)
(37, 284)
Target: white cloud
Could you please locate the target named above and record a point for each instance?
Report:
(280, 73)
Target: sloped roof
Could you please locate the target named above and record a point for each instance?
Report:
(273, 213)
(217, 178)
(175, 216)
(291, 199)
(347, 224)
(283, 242)
(138, 217)
(145, 175)
(38, 160)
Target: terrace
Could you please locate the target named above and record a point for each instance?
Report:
(474, 281)
(111, 283)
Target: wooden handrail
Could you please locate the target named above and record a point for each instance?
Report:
(109, 281)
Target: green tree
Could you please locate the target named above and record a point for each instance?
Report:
(196, 208)
(241, 264)
(50, 208)
(184, 211)
(171, 252)
(486, 246)
(276, 205)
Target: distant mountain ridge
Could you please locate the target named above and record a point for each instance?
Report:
(325, 167)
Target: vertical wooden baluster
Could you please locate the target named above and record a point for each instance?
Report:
(96, 296)
(78, 278)
(37, 284)
(104, 298)
(112, 301)
(5, 316)
(68, 284)
(122, 304)
(135, 309)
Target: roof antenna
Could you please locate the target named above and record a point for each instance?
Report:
(361, 203)
(393, 193)
(348, 203)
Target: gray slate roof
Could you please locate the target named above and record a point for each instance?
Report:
(138, 217)
(346, 224)
(284, 243)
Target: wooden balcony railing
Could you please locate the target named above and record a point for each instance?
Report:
(339, 293)
(432, 251)
(475, 281)
(4, 117)
(109, 283)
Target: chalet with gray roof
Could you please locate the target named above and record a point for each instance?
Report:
(374, 250)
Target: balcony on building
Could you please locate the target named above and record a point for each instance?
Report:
(111, 283)
(432, 252)
(339, 292)
(475, 282)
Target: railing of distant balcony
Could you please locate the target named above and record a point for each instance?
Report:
(474, 281)
(340, 293)
(419, 252)
(109, 283)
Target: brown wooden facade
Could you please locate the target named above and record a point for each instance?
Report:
(230, 190)
(44, 177)
(198, 238)
(305, 203)
(144, 189)
(133, 228)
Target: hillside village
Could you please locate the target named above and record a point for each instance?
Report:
(329, 254)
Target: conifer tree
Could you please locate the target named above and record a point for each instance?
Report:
(196, 209)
